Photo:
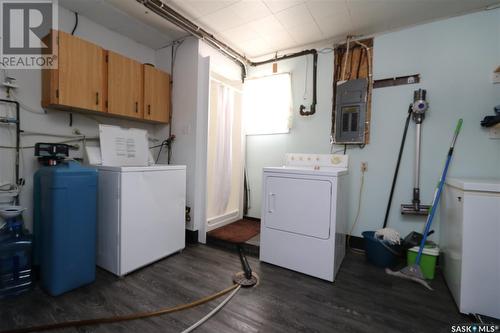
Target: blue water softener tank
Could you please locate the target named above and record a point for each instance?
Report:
(15, 258)
(65, 214)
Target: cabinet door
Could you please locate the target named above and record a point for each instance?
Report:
(125, 86)
(81, 74)
(156, 95)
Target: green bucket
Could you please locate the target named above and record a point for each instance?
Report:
(428, 260)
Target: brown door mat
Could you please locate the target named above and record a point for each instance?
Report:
(237, 232)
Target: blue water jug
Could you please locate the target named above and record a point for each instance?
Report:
(15, 258)
(64, 224)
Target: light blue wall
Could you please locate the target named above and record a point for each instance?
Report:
(456, 58)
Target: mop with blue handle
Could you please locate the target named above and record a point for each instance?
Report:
(413, 272)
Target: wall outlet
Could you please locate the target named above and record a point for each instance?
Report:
(364, 166)
(496, 78)
(495, 132)
(496, 75)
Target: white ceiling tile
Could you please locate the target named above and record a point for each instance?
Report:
(295, 16)
(222, 20)
(266, 25)
(323, 8)
(198, 8)
(255, 47)
(306, 33)
(250, 10)
(278, 37)
(334, 26)
(244, 32)
(278, 5)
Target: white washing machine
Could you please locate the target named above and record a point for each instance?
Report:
(304, 214)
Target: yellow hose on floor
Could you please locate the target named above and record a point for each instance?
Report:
(115, 319)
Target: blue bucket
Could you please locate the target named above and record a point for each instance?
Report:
(380, 253)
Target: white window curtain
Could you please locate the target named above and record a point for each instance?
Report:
(268, 104)
(223, 160)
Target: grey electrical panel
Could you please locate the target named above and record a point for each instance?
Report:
(350, 112)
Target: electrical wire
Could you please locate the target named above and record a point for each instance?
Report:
(76, 24)
(175, 48)
(306, 78)
(368, 55)
(213, 312)
(159, 152)
(121, 318)
(82, 139)
(346, 57)
(326, 50)
(24, 106)
(360, 197)
(31, 133)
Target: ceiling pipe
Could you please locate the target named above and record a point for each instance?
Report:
(160, 8)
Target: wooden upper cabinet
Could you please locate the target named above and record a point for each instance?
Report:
(79, 80)
(89, 78)
(125, 86)
(156, 95)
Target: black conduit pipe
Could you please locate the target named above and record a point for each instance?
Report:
(312, 109)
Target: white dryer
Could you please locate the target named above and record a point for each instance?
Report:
(304, 214)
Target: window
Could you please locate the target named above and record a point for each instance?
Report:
(267, 104)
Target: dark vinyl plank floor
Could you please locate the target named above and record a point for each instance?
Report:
(362, 299)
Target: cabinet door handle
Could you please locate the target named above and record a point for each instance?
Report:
(149, 109)
(97, 98)
(136, 107)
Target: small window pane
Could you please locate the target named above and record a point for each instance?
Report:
(267, 104)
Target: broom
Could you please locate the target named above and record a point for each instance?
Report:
(413, 272)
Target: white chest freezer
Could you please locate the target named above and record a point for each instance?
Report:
(469, 240)
(141, 215)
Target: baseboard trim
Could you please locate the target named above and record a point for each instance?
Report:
(251, 218)
(191, 236)
(249, 249)
(356, 242)
(222, 220)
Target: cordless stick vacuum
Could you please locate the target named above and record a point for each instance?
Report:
(419, 107)
(413, 272)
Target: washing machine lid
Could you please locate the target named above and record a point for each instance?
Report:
(315, 171)
(157, 167)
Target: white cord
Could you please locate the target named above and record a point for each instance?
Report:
(361, 186)
(346, 56)
(211, 313)
(306, 79)
(26, 107)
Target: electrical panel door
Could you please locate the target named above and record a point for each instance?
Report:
(350, 112)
